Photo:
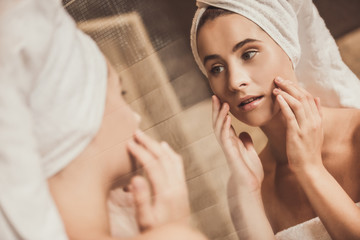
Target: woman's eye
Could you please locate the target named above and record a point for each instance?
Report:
(248, 55)
(217, 69)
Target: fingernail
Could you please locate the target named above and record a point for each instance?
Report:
(279, 79)
(138, 132)
(276, 91)
(137, 117)
(131, 143)
(280, 98)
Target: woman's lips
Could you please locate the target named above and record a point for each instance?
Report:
(250, 103)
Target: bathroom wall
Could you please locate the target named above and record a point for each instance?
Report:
(148, 42)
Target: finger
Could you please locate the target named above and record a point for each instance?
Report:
(219, 123)
(215, 108)
(151, 145)
(173, 164)
(298, 93)
(225, 129)
(296, 107)
(152, 168)
(230, 147)
(318, 106)
(247, 148)
(226, 141)
(290, 119)
(289, 87)
(315, 114)
(142, 201)
(173, 156)
(311, 103)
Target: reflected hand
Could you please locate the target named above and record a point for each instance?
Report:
(164, 169)
(304, 134)
(247, 172)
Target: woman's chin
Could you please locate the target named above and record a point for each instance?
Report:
(255, 120)
(259, 117)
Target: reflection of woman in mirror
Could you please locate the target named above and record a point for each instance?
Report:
(250, 52)
(67, 136)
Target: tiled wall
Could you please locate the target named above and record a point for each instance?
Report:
(148, 42)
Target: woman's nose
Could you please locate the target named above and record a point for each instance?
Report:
(237, 80)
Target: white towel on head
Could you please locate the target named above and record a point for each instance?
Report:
(53, 82)
(296, 25)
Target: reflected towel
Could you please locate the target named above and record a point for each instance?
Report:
(312, 229)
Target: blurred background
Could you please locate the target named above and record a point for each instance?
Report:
(148, 42)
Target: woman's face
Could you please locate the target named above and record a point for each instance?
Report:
(117, 128)
(242, 62)
(106, 156)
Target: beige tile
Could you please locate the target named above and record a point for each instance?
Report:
(202, 156)
(143, 77)
(256, 134)
(168, 131)
(122, 38)
(156, 106)
(231, 236)
(184, 127)
(177, 58)
(215, 221)
(191, 88)
(208, 189)
(196, 121)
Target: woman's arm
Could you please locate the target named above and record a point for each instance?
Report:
(337, 211)
(244, 186)
(339, 214)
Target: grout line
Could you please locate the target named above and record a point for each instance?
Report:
(69, 3)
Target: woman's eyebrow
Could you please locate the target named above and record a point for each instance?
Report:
(235, 48)
(209, 57)
(242, 43)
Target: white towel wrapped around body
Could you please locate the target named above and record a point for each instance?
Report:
(311, 229)
(298, 29)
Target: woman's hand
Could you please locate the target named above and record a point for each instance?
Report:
(168, 201)
(244, 185)
(246, 169)
(304, 134)
(303, 145)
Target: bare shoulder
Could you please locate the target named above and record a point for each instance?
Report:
(350, 122)
(356, 122)
(351, 118)
(343, 121)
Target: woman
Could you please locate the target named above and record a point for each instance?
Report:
(68, 137)
(310, 164)
(106, 164)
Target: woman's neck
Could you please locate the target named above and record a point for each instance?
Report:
(275, 131)
(81, 194)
